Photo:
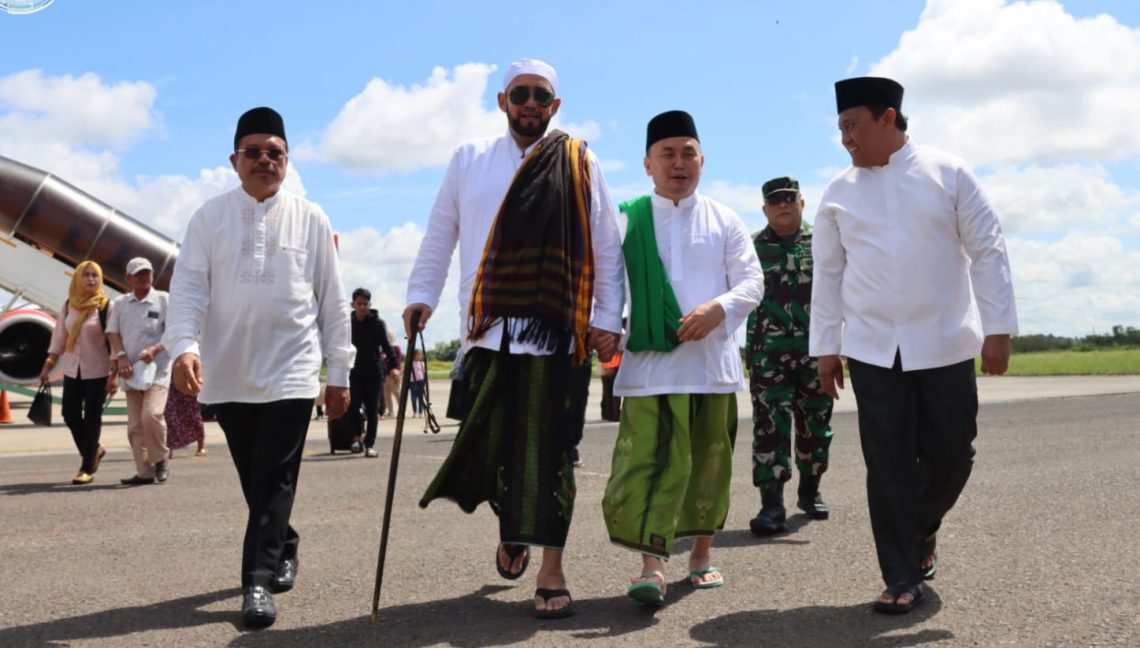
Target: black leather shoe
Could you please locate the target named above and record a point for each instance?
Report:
(136, 481)
(286, 575)
(162, 471)
(809, 500)
(257, 608)
(815, 508)
(772, 516)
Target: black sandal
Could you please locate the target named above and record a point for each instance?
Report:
(513, 551)
(928, 550)
(546, 595)
(897, 590)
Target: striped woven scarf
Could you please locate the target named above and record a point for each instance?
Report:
(537, 269)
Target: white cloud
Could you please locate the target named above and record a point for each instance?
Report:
(1041, 200)
(852, 65)
(74, 110)
(1080, 284)
(397, 128)
(1016, 82)
(382, 263)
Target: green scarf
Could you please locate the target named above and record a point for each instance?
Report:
(654, 314)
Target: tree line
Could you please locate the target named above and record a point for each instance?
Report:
(1120, 337)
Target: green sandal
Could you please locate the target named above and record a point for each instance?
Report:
(648, 592)
(700, 573)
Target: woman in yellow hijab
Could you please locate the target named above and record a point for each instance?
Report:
(79, 346)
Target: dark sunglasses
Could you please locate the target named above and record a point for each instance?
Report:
(782, 197)
(519, 95)
(255, 153)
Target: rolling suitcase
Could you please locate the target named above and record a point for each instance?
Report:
(344, 430)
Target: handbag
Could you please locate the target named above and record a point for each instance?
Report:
(40, 411)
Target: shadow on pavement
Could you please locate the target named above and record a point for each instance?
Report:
(53, 487)
(851, 625)
(167, 615)
(470, 621)
(745, 538)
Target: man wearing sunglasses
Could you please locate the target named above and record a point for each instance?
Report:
(539, 253)
(784, 379)
(255, 298)
(912, 282)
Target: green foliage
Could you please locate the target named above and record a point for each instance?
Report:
(445, 351)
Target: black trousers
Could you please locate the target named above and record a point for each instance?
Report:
(82, 409)
(265, 441)
(365, 392)
(917, 429)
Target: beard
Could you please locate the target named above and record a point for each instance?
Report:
(527, 130)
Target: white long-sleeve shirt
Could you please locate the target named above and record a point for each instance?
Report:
(477, 179)
(708, 254)
(910, 257)
(257, 294)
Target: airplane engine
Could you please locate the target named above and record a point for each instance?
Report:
(24, 338)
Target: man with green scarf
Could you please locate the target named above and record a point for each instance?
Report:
(541, 285)
(693, 279)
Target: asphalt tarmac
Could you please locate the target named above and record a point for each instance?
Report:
(1040, 551)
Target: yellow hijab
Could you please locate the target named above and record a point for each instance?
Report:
(78, 299)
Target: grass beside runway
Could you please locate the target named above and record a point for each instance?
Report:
(1109, 362)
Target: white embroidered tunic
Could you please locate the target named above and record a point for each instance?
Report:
(257, 293)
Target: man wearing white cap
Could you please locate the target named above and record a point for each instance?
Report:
(134, 330)
(539, 254)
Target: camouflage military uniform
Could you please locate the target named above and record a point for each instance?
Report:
(784, 379)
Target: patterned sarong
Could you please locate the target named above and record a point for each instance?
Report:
(513, 447)
(672, 469)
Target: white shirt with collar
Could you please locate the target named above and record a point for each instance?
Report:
(140, 323)
(708, 254)
(257, 293)
(476, 182)
(909, 257)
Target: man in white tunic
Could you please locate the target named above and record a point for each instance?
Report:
(912, 282)
(693, 279)
(134, 332)
(255, 302)
(538, 246)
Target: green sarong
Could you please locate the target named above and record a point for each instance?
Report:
(513, 447)
(672, 469)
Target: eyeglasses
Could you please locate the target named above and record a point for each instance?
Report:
(519, 95)
(255, 153)
(782, 197)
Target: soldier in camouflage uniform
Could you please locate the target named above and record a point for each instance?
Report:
(784, 379)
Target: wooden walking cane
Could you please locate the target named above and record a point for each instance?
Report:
(405, 383)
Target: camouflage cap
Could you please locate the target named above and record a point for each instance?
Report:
(783, 183)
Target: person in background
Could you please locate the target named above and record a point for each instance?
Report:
(395, 363)
(366, 380)
(184, 423)
(79, 346)
(419, 379)
(134, 330)
(783, 378)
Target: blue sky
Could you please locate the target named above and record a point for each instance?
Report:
(135, 102)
